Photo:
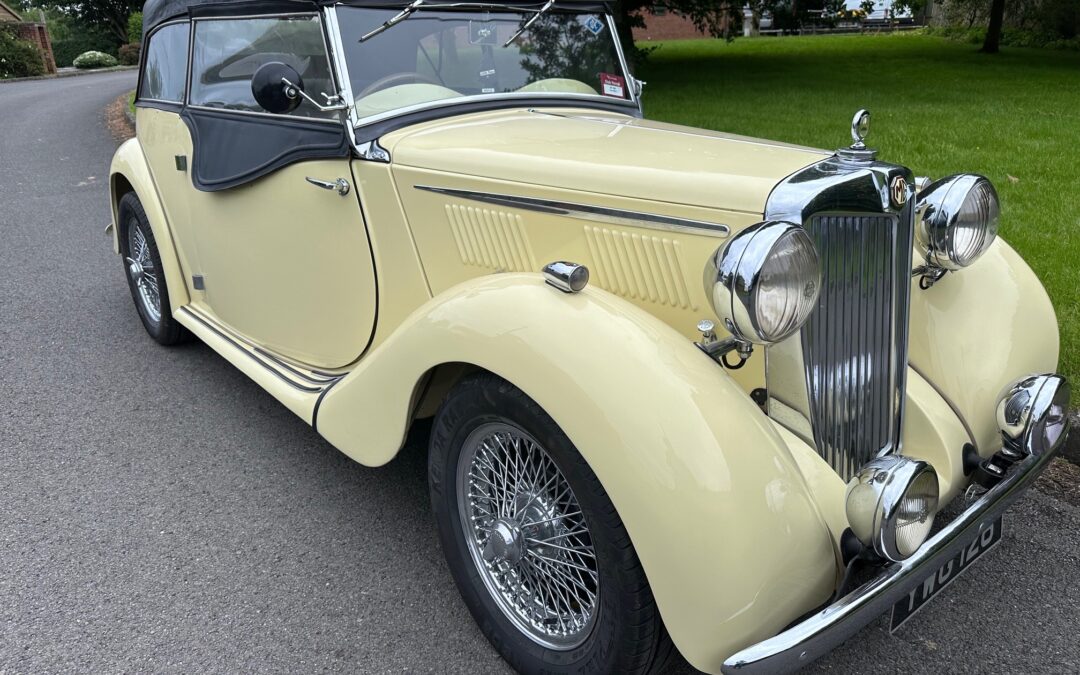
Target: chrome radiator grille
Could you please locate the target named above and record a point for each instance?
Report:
(855, 342)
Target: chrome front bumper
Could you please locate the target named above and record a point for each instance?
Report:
(821, 633)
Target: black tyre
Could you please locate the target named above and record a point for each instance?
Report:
(146, 278)
(535, 545)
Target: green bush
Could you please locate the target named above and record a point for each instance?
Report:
(135, 28)
(129, 54)
(94, 60)
(69, 39)
(18, 58)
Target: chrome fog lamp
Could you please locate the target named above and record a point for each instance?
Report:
(958, 220)
(764, 283)
(891, 505)
(1033, 415)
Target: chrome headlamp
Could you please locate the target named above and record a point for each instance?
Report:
(891, 505)
(958, 220)
(764, 283)
(1034, 414)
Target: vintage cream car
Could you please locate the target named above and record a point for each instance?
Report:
(383, 212)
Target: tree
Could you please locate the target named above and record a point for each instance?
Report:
(719, 18)
(993, 32)
(108, 15)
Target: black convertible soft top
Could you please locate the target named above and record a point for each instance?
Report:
(156, 12)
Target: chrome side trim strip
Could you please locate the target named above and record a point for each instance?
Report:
(810, 639)
(260, 356)
(313, 378)
(600, 214)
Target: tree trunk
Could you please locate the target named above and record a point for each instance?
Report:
(993, 32)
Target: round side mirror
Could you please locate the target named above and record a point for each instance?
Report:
(271, 92)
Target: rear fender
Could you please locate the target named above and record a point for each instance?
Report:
(733, 544)
(129, 172)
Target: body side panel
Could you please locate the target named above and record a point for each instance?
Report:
(402, 286)
(656, 269)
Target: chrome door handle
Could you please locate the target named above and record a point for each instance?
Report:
(341, 185)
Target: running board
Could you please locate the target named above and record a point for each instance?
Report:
(298, 388)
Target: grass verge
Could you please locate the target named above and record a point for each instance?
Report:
(939, 108)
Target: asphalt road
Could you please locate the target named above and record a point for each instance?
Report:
(160, 512)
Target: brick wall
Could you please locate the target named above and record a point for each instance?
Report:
(667, 26)
(35, 34)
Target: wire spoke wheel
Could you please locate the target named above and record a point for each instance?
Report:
(140, 267)
(527, 536)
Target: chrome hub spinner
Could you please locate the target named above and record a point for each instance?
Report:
(504, 543)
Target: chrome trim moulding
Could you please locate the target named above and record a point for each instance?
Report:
(816, 636)
(270, 362)
(600, 214)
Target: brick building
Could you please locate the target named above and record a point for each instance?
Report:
(31, 31)
(666, 25)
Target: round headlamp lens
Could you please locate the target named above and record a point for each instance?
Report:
(764, 282)
(976, 224)
(891, 503)
(787, 288)
(959, 220)
(915, 513)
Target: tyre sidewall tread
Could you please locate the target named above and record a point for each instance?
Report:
(167, 331)
(627, 635)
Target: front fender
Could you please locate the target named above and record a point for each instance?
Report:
(129, 171)
(978, 330)
(733, 545)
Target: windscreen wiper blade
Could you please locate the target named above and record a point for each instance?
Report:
(394, 20)
(530, 22)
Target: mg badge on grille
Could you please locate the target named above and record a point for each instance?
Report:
(898, 191)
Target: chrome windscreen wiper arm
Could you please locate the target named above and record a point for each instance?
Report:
(530, 22)
(394, 20)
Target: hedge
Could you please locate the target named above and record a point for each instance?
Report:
(18, 58)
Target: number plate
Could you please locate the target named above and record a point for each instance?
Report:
(988, 536)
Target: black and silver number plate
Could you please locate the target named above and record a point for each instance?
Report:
(988, 536)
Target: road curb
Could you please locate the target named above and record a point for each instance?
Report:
(71, 73)
(119, 119)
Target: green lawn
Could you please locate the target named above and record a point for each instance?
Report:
(938, 107)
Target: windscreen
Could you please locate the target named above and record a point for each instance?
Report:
(440, 55)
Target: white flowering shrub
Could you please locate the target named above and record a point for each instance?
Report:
(94, 60)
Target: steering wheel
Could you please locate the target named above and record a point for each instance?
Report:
(395, 79)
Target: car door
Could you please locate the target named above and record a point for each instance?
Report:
(283, 261)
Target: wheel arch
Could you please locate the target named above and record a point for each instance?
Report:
(731, 539)
(129, 173)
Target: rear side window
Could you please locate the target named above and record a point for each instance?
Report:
(165, 73)
(227, 52)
